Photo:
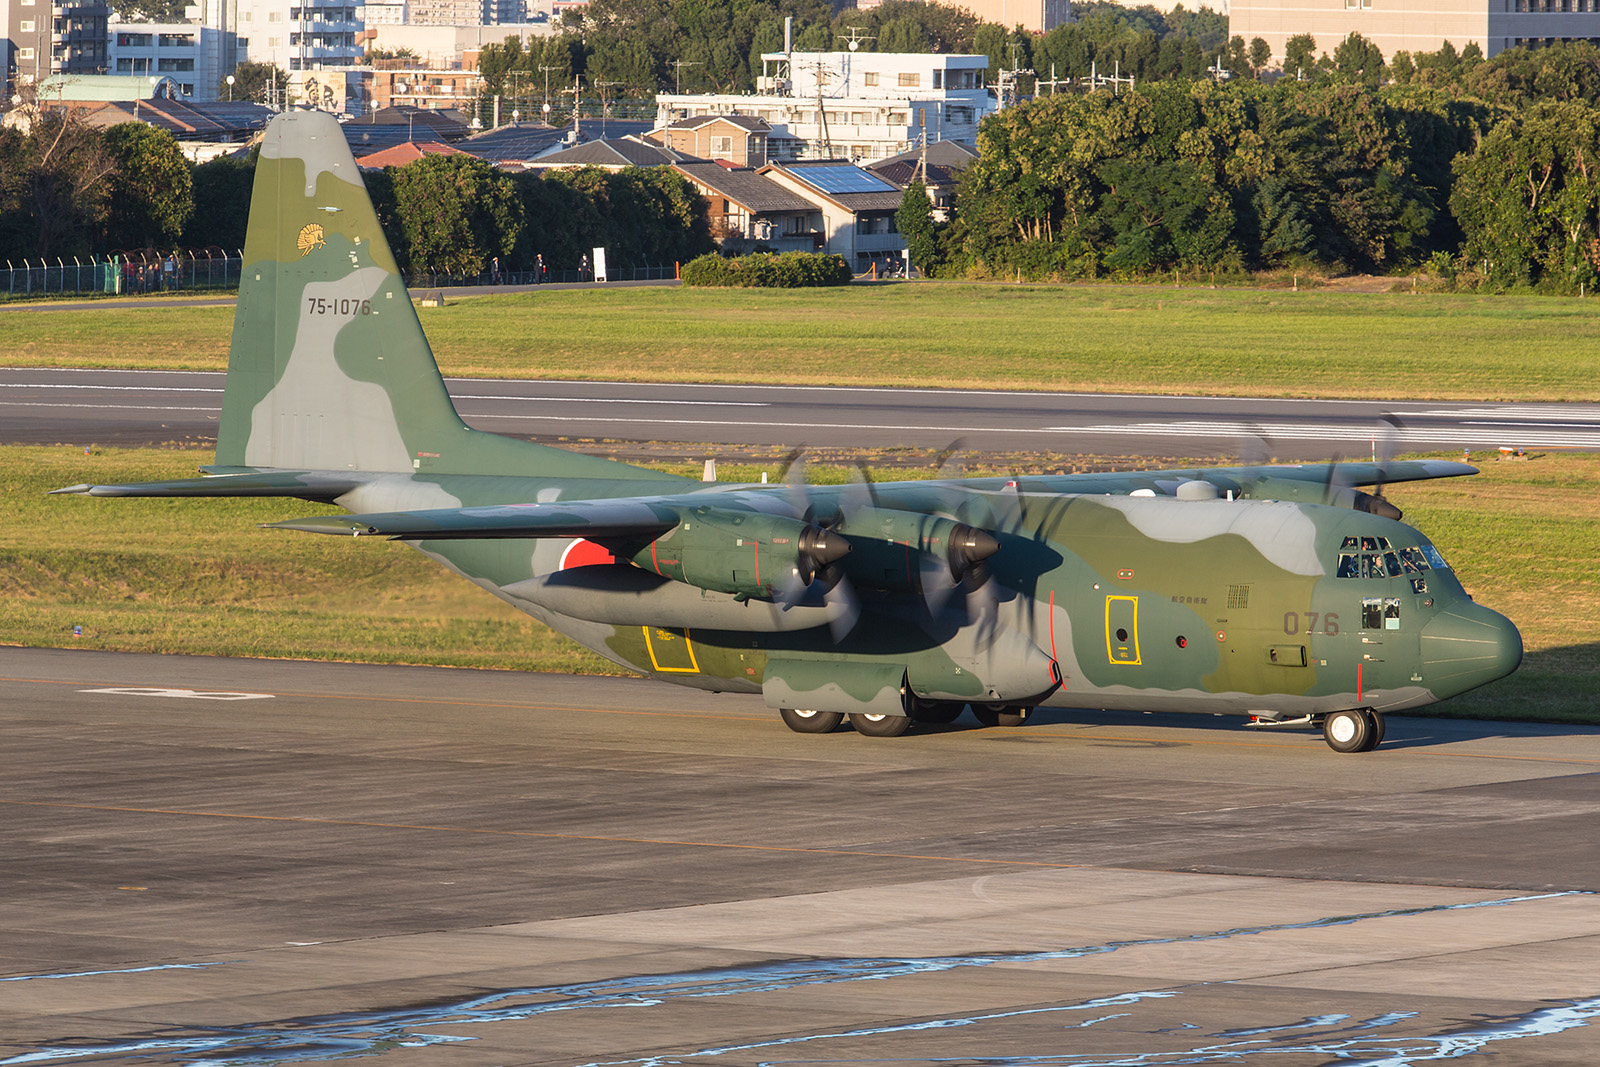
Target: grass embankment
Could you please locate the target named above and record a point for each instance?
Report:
(199, 577)
(1095, 338)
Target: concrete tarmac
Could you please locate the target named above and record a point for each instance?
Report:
(245, 862)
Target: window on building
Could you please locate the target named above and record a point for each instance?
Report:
(938, 79)
(723, 145)
(167, 64)
(899, 118)
(275, 16)
(134, 40)
(869, 78)
(912, 80)
(24, 53)
(177, 40)
(27, 25)
(274, 42)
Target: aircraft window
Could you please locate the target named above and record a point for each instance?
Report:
(1391, 561)
(1372, 614)
(1350, 542)
(1436, 560)
(1369, 544)
(1419, 585)
(1349, 564)
(1372, 566)
(1391, 613)
(1414, 560)
(1383, 543)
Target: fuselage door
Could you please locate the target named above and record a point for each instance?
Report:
(1122, 629)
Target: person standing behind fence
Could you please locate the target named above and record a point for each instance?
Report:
(169, 271)
(583, 268)
(494, 271)
(538, 269)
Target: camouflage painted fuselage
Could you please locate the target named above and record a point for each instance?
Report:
(1222, 589)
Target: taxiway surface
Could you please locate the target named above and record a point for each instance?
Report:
(254, 862)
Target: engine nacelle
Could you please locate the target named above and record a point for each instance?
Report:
(742, 552)
(893, 549)
(1342, 496)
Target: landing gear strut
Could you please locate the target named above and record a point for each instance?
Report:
(1000, 714)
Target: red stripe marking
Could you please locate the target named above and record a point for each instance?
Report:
(1358, 683)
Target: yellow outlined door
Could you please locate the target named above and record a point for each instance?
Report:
(1122, 630)
(670, 650)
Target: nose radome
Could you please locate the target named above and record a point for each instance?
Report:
(1467, 645)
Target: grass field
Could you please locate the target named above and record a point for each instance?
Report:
(1097, 338)
(198, 577)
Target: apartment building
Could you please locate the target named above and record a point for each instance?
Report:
(1417, 25)
(851, 105)
(38, 39)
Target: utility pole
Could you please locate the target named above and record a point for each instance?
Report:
(547, 71)
(577, 96)
(677, 74)
(602, 87)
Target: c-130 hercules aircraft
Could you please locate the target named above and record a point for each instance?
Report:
(1223, 590)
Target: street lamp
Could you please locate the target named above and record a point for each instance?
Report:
(229, 80)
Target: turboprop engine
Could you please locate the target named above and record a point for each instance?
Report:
(742, 552)
(904, 551)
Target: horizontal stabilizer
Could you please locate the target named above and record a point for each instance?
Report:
(305, 485)
(590, 519)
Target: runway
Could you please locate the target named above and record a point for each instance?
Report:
(258, 862)
(156, 407)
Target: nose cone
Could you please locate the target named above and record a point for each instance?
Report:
(1467, 645)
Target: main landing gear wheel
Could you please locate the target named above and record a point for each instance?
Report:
(807, 721)
(938, 712)
(1349, 731)
(1000, 714)
(1378, 729)
(880, 725)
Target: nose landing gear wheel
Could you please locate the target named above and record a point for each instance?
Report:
(1000, 714)
(1349, 731)
(807, 721)
(880, 725)
(937, 711)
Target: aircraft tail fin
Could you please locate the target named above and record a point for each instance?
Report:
(329, 368)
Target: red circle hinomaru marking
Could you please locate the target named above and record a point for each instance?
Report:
(582, 553)
(1222, 635)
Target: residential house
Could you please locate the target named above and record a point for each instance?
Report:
(750, 211)
(856, 207)
(739, 139)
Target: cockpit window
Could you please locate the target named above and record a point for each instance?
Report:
(1376, 557)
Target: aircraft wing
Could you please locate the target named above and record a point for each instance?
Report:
(307, 485)
(1238, 478)
(628, 517)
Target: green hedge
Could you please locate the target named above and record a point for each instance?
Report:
(791, 270)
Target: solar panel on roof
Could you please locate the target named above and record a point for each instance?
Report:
(844, 179)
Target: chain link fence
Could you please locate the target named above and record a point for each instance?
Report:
(135, 273)
(139, 271)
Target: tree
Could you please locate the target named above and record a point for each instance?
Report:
(1300, 55)
(151, 192)
(1528, 198)
(221, 187)
(455, 212)
(54, 179)
(261, 82)
(914, 220)
(1260, 55)
(1359, 60)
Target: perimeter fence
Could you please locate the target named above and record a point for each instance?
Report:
(138, 271)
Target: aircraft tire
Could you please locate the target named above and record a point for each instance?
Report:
(1000, 714)
(807, 721)
(1378, 729)
(1348, 731)
(880, 725)
(938, 712)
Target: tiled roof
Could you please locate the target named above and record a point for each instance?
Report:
(758, 194)
(516, 143)
(409, 152)
(902, 173)
(748, 122)
(952, 154)
(185, 121)
(614, 152)
(397, 125)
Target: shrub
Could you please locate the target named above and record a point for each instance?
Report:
(791, 270)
